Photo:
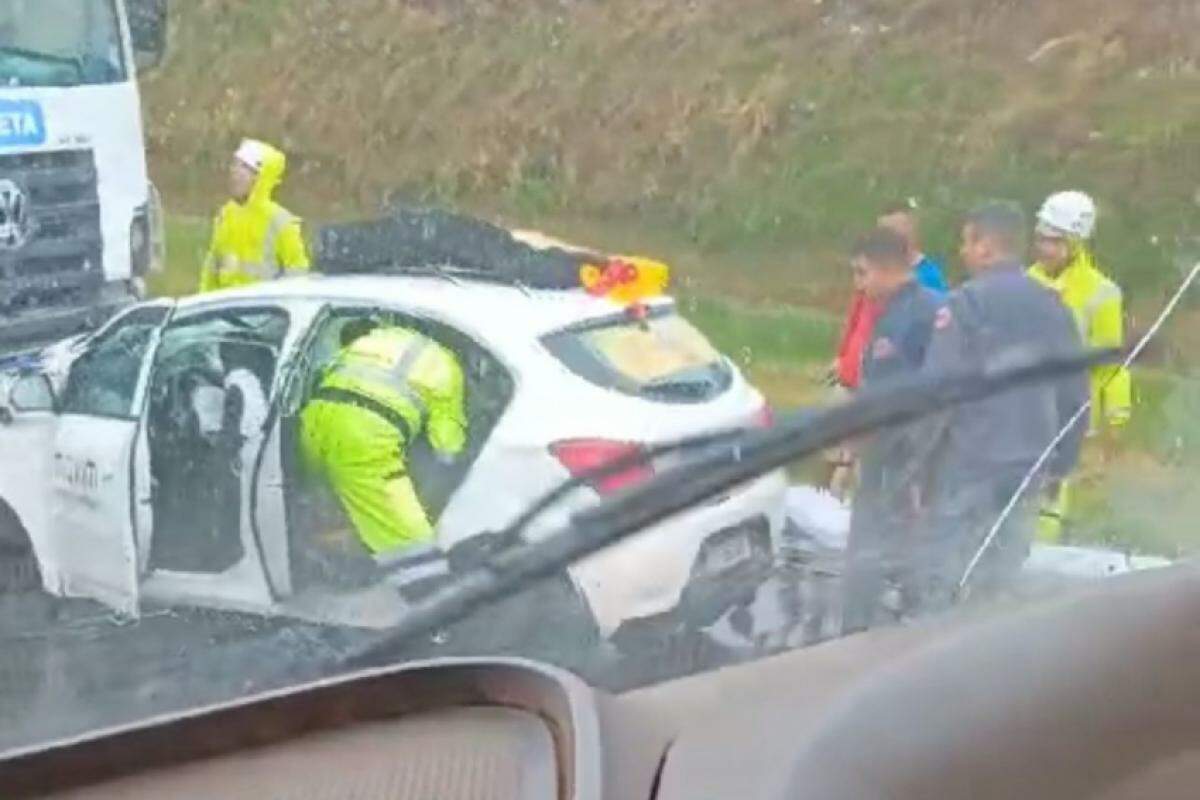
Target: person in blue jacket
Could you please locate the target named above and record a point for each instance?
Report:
(902, 219)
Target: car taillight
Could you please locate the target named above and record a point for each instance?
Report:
(764, 417)
(583, 456)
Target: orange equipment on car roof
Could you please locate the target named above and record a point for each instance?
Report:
(626, 279)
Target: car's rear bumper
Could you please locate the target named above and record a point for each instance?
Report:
(648, 573)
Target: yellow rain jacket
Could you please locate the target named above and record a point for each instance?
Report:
(1096, 303)
(257, 240)
(380, 393)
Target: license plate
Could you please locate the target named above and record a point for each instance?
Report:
(727, 553)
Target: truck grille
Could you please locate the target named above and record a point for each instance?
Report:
(53, 245)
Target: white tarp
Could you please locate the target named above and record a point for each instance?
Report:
(822, 518)
(819, 516)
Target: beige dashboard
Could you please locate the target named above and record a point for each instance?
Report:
(459, 754)
(463, 730)
(1088, 696)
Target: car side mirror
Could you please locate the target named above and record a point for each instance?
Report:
(148, 32)
(31, 394)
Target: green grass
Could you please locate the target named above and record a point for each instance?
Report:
(1145, 500)
(761, 148)
(187, 242)
(776, 337)
(780, 129)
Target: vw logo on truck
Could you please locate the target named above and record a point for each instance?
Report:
(14, 216)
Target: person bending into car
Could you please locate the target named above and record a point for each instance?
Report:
(387, 386)
(883, 509)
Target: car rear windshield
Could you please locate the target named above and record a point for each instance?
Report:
(661, 358)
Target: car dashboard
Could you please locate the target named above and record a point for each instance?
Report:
(502, 730)
(1092, 694)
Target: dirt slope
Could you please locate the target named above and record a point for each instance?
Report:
(758, 133)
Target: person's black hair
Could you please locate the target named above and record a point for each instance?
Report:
(882, 247)
(1003, 223)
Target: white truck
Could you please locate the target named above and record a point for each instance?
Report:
(80, 224)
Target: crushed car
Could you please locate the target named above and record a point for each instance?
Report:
(114, 496)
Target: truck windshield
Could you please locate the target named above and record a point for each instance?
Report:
(60, 43)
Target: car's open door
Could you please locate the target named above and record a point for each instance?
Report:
(268, 501)
(269, 508)
(95, 507)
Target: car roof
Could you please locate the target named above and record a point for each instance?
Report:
(467, 303)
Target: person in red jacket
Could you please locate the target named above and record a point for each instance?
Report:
(855, 334)
(845, 374)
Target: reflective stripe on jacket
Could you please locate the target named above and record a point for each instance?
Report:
(1097, 306)
(255, 241)
(410, 375)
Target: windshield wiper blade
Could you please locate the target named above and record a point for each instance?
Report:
(757, 453)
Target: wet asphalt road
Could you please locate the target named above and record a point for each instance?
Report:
(74, 667)
(71, 667)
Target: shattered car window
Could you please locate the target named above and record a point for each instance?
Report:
(103, 380)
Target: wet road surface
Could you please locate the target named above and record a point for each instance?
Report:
(78, 668)
(71, 667)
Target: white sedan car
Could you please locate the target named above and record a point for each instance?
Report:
(107, 488)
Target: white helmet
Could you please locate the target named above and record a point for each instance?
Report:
(1068, 214)
(252, 153)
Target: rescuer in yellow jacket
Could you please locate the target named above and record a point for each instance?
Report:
(386, 387)
(1065, 264)
(254, 238)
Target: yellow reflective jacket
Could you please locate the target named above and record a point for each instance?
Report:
(1096, 303)
(411, 375)
(257, 240)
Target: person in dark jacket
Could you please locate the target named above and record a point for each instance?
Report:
(883, 509)
(974, 457)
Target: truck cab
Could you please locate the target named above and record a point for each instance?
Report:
(80, 222)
